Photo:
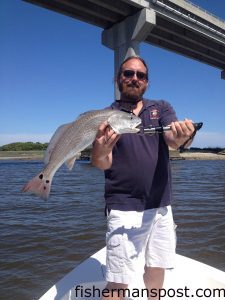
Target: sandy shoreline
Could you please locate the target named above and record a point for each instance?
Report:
(184, 155)
(201, 156)
(21, 155)
(21, 158)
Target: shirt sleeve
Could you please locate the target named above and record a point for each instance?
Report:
(168, 114)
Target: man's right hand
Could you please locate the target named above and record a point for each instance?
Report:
(105, 140)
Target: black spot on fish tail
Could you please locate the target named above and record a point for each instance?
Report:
(44, 187)
(47, 181)
(41, 176)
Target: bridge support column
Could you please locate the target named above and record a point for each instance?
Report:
(124, 37)
(223, 74)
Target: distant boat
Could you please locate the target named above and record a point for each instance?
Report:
(188, 277)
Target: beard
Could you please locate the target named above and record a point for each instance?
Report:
(131, 92)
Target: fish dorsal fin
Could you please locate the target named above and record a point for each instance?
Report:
(92, 112)
(55, 138)
(86, 113)
(70, 162)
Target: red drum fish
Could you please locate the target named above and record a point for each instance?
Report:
(70, 139)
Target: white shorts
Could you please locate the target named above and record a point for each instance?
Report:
(138, 239)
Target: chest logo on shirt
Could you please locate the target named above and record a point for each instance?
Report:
(154, 114)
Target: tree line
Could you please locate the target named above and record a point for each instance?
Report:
(24, 146)
(207, 149)
(29, 146)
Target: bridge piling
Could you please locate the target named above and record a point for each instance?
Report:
(125, 37)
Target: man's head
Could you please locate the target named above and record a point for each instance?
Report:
(132, 79)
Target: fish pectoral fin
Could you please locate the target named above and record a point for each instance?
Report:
(70, 163)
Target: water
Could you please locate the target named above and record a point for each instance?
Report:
(41, 241)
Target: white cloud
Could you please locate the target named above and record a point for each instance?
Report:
(23, 137)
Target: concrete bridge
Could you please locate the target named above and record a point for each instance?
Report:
(176, 25)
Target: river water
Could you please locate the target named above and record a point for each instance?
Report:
(42, 241)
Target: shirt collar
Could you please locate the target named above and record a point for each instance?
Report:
(146, 104)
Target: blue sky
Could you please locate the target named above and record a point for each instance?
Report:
(53, 67)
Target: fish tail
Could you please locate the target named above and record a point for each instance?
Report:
(39, 185)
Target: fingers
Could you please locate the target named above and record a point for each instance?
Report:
(105, 132)
(102, 129)
(103, 145)
(182, 129)
(106, 137)
(110, 136)
(189, 124)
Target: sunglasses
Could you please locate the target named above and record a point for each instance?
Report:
(131, 73)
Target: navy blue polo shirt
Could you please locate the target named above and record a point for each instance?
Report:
(140, 175)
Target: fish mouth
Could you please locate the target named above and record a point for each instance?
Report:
(137, 127)
(136, 130)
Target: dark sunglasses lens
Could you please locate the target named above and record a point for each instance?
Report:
(128, 73)
(141, 75)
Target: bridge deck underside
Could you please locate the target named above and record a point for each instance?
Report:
(167, 33)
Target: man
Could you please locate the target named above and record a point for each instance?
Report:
(138, 185)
